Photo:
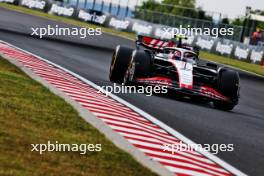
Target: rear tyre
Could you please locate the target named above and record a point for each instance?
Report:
(119, 64)
(228, 85)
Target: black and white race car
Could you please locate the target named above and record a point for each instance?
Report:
(175, 65)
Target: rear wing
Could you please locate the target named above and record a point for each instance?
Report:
(157, 44)
(154, 43)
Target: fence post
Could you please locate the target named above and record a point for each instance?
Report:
(127, 9)
(102, 6)
(85, 4)
(93, 4)
(118, 8)
(110, 7)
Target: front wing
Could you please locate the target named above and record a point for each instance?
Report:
(203, 91)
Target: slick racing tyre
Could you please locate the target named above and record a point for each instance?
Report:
(119, 64)
(228, 85)
(143, 62)
(139, 67)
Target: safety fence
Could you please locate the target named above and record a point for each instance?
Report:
(176, 21)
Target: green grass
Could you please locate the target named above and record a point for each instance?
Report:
(212, 57)
(258, 69)
(30, 113)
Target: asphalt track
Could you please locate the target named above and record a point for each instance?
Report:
(90, 58)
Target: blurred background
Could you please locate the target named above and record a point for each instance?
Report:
(244, 16)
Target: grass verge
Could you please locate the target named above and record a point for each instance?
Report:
(208, 56)
(254, 68)
(31, 114)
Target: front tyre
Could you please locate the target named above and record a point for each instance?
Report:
(139, 66)
(143, 62)
(224, 105)
(119, 63)
(228, 85)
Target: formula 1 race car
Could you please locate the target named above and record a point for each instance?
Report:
(175, 65)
